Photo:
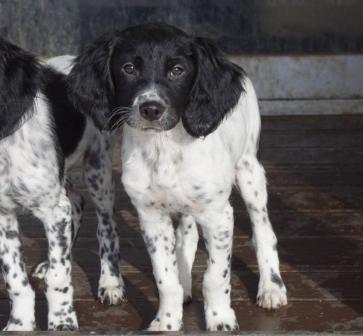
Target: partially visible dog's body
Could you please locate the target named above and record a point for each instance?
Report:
(191, 130)
(40, 134)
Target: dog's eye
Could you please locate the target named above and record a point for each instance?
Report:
(129, 68)
(176, 71)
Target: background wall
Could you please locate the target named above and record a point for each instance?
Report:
(304, 56)
(52, 27)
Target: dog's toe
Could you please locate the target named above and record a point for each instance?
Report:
(221, 320)
(112, 296)
(272, 297)
(167, 323)
(66, 327)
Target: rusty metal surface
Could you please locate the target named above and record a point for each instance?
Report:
(315, 171)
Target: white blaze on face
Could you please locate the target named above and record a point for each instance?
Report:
(149, 94)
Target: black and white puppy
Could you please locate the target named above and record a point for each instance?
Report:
(41, 136)
(191, 130)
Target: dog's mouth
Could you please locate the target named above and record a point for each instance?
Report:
(162, 125)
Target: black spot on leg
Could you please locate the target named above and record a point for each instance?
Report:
(168, 326)
(11, 234)
(276, 279)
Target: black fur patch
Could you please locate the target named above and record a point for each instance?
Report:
(216, 89)
(69, 122)
(20, 78)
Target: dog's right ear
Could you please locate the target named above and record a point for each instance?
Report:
(90, 81)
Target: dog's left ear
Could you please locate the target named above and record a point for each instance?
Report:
(216, 90)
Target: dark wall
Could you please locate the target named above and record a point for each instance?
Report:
(51, 27)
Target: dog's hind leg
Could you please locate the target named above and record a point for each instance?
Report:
(77, 202)
(252, 183)
(21, 294)
(186, 246)
(98, 178)
(58, 285)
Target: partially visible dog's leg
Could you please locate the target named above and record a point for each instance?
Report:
(98, 178)
(58, 284)
(218, 236)
(186, 246)
(159, 236)
(21, 294)
(77, 202)
(252, 183)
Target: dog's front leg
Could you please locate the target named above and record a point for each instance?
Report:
(159, 237)
(217, 229)
(252, 182)
(58, 284)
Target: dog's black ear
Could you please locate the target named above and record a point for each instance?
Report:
(90, 81)
(20, 79)
(216, 90)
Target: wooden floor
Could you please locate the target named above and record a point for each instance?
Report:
(315, 171)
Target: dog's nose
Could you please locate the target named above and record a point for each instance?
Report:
(151, 111)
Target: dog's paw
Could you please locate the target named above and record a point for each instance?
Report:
(19, 325)
(65, 322)
(112, 295)
(65, 327)
(166, 322)
(221, 320)
(271, 296)
(40, 270)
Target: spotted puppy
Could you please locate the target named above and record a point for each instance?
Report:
(40, 136)
(191, 132)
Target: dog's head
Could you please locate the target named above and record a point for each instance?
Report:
(20, 78)
(153, 75)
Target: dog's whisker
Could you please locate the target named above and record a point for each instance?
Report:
(119, 122)
(116, 111)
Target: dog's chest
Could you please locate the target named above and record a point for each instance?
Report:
(175, 180)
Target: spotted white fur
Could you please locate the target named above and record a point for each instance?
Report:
(30, 176)
(171, 172)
